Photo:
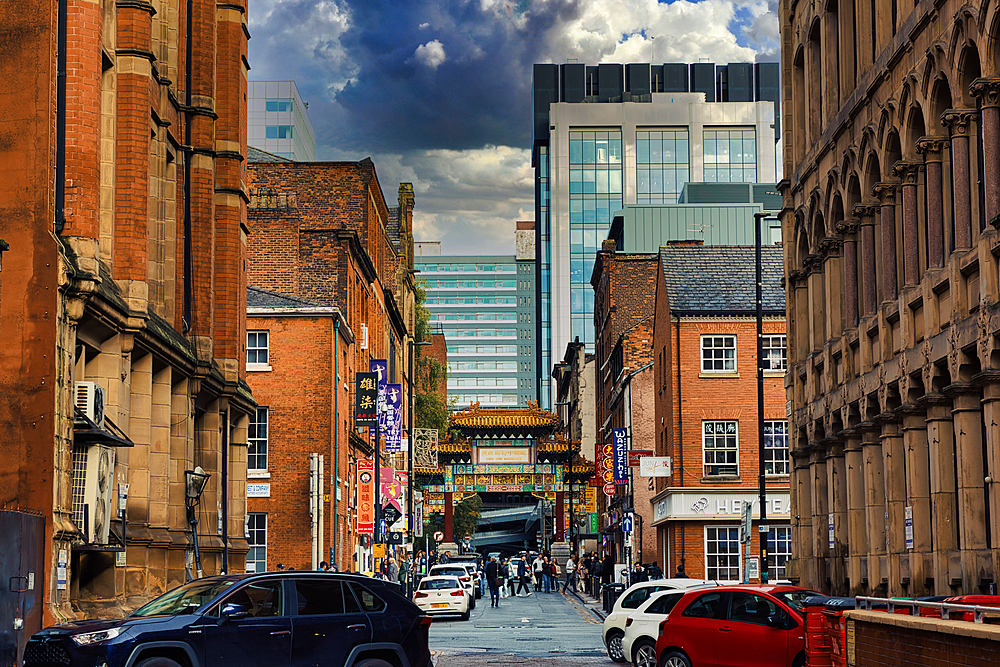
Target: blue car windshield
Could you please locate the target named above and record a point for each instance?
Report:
(185, 599)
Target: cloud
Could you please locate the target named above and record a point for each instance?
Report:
(378, 86)
(431, 54)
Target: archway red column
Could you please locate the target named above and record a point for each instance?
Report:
(560, 517)
(449, 517)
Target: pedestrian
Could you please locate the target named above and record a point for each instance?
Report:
(511, 575)
(445, 558)
(608, 569)
(324, 566)
(492, 573)
(502, 576)
(522, 575)
(547, 575)
(638, 574)
(536, 571)
(680, 573)
(281, 566)
(570, 573)
(391, 569)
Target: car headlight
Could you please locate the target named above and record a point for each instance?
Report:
(89, 638)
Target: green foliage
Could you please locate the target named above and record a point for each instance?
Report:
(465, 520)
(430, 408)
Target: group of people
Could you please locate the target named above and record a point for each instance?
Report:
(513, 576)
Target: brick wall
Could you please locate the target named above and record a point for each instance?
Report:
(894, 640)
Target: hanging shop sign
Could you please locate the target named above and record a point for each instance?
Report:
(620, 442)
(393, 418)
(366, 496)
(366, 399)
(655, 466)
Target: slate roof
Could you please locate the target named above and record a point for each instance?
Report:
(257, 155)
(262, 298)
(721, 280)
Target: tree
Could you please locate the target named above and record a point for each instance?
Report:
(430, 403)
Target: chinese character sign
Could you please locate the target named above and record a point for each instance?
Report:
(366, 496)
(621, 455)
(381, 369)
(394, 417)
(391, 483)
(366, 399)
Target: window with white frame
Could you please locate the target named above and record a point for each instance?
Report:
(257, 440)
(257, 540)
(775, 353)
(776, 447)
(720, 442)
(722, 553)
(779, 551)
(257, 348)
(718, 353)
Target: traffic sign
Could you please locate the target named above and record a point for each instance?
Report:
(609, 488)
(438, 536)
(390, 513)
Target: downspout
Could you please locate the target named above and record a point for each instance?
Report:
(186, 324)
(225, 493)
(680, 429)
(334, 560)
(60, 202)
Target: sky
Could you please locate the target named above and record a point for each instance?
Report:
(438, 92)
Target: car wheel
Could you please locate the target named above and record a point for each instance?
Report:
(615, 650)
(676, 659)
(157, 661)
(466, 615)
(644, 654)
(374, 662)
(472, 602)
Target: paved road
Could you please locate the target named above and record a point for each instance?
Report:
(542, 630)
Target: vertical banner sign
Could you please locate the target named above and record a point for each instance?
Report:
(830, 528)
(380, 368)
(621, 455)
(391, 486)
(366, 399)
(908, 520)
(366, 496)
(394, 418)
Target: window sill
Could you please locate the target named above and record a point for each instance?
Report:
(776, 478)
(721, 479)
(719, 374)
(774, 374)
(258, 474)
(258, 368)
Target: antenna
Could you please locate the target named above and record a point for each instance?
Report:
(700, 229)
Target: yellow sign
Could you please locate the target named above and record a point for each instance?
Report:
(590, 503)
(378, 550)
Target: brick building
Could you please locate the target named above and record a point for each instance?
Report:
(624, 298)
(321, 234)
(705, 349)
(123, 297)
(891, 204)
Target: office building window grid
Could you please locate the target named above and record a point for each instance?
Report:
(544, 275)
(722, 553)
(721, 447)
(730, 156)
(718, 353)
(662, 165)
(776, 447)
(257, 541)
(257, 440)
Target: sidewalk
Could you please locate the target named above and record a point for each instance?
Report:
(595, 606)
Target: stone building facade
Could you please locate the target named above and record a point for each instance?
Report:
(891, 204)
(123, 299)
(322, 233)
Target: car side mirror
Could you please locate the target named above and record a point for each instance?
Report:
(778, 622)
(233, 611)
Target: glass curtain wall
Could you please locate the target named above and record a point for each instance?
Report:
(662, 165)
(731, 156)
(544, 280)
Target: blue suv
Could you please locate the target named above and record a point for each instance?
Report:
(277, 619)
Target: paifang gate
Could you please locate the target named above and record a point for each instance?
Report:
(513, 458)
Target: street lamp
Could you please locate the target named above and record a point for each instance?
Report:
(409, 458)
(195, 482)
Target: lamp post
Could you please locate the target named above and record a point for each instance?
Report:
(195, 482)
(410, 491)
(761, 485)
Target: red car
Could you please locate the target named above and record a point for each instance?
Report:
(734, 626)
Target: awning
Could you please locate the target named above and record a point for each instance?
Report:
(87, 432)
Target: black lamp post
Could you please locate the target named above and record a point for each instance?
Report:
(412, 489)
(195, 482)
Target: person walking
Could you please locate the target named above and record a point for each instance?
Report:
(503, 575)
(570, 573)
(522, 575)
(547, 575)
(492, 572)
(536, 571)
(391, 570)
(511, 576)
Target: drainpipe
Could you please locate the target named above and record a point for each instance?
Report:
(186, 325)
(680, 429)
(225, 492)
(60, 221)
(334, 560)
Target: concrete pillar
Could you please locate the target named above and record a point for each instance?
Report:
(908, 172)
(560, 514)
(836, 489)
(988, 92)
(849, 229)
(869, 280)
(833, 287)
(885, 192)
(918, 496)
(944, 517)
(894, 468)
(801, 478)
(816, 302)
(857, 526)
(820, 511)
(875, 508)
(958, 122)
(931, 148)
(991, 414)
(967, 413)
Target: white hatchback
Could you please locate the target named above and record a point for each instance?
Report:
(642, 627)
(442, 595)
(462, 572)
(614, 625)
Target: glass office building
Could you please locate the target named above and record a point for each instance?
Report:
(278, 120)
(611, 135)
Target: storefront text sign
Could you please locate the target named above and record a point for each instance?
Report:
(504, 455)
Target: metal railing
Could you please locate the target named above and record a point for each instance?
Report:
(945, 608)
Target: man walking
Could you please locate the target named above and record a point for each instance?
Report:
(522, 575)
(570, 573)
(536, 570)
(492, 571)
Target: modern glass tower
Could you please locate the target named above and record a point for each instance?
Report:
(278, 120)
(485, 306)
(609, 135)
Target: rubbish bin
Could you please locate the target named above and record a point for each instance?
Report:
(817, 641)
(611, 594)
(836, 628)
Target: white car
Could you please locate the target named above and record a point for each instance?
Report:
(442, 595)
(642, 627)
(629, 601)
(462, 572)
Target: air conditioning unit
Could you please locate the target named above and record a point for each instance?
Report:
(93, 491)
(90, 401)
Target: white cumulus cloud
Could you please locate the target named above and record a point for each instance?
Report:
(431, 54)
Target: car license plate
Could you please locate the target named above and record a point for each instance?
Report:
(439, 605)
